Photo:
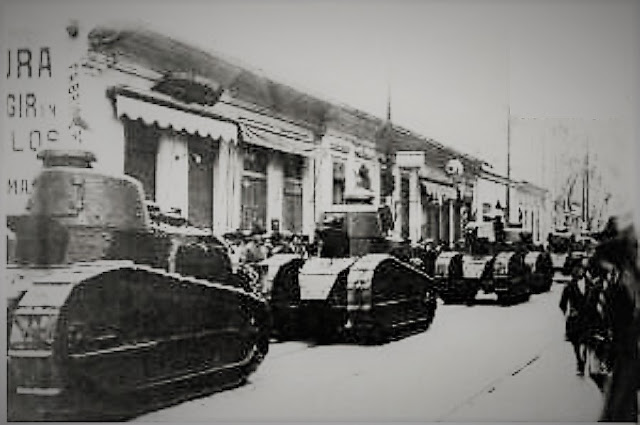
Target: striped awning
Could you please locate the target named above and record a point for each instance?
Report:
(440, 192)
(175, 117)
(279, 141)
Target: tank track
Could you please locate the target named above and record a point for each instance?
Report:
(372, 299)
(160, 331)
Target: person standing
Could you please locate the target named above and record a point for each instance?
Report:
(573, 305)
(597, 340)
(618, 249)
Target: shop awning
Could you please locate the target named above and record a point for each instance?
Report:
(177, 118)
(439, 191)
(275, 140)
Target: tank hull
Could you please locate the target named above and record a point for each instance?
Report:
(88, 340)
(511, 277)
(460, 277)
(279, 286)
(365, 299)
(558, 261)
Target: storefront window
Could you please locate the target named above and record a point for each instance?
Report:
(200, 182)
(292, 208)
(363, 178)
(255, 159)
(338, 182)
(254, 190)
(293, 166)
(141, 151)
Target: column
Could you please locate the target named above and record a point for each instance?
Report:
(322, 180)
(172, 173)
(308, 198)
(275, 189)
(415, 206)
(227, 171)
(375, 180)
(476, 201)
(452, 223)
(396, 206)
(221, 175)
(441, 223)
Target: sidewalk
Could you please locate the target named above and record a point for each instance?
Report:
(543, 389)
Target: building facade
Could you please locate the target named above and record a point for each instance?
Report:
(230, 149)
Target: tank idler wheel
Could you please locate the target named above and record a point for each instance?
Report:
(470, 297)
(331, 329)
(284, 324)
(261, 350)
(453, 298)
(377, 334)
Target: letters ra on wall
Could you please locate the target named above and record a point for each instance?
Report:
(42, 94)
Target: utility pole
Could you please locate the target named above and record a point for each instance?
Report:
(508, 195)
(508, 206)
(587, 214)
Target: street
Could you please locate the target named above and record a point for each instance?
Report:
(475, 363)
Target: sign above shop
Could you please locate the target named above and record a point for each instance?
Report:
(189, 89)
(410, 159)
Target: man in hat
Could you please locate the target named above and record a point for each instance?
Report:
(573, 305)
(618, 250)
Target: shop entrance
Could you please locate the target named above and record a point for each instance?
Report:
(200, 182)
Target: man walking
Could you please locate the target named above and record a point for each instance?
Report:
(573, 305)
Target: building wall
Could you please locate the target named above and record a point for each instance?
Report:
(487, 195)
(354, 153)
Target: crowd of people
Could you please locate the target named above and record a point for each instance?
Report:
(601, 304)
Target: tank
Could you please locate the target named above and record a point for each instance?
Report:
(353, 289)
(114, 300)
(490, 263)
(539, 264)
(559, 244)
(580, 249)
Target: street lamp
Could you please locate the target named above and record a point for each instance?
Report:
(455, 170)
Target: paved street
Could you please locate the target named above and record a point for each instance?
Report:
(480, 363)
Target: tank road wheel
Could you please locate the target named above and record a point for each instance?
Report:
(261, 345)
(452, 297)
(377, 334)
(526, 294)
(285, 303)
(506, 299)
(470, 296)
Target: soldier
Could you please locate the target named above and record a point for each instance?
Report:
(573, 305)
(618, 250)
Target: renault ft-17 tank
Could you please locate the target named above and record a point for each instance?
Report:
(116, 303)
(559, 244)
(580, 249)
(539, 263)
(353, 288)
(490, 264)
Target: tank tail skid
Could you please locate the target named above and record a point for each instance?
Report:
(386, 297)
(282, 290)
(542, 273)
